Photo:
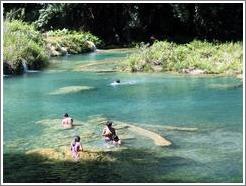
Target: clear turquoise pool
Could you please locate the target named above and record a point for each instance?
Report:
(213, 153)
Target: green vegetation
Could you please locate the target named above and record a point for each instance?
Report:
(22, 44)
(128, 23)
(211, 58)
(64, 41)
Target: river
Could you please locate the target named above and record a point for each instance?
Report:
(154, 101)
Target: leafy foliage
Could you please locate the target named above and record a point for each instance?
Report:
(82, 36)
(23, 44)
(127, 22)
(72, 41)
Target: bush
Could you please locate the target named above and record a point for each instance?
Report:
(22, 43)
(211, 57)
(72, 41)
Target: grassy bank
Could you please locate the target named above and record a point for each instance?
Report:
(23, 44)
(194, 57)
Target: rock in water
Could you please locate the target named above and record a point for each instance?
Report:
(192, 71)
(158, 140)
(197, 72)
(70, 89)
(7, 69)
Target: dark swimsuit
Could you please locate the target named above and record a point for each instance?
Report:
(113, 136)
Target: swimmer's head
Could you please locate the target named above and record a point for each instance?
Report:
(66, 115)
(109, 123)
(77, 139)
(117, 81)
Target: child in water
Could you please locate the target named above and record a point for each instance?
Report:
(76, 147)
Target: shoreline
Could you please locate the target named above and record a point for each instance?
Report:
(88, 67)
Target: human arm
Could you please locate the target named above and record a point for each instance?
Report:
(81, 148)
(103, 132)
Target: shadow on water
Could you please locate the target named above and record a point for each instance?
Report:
(125, 166)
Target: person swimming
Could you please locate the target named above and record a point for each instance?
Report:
(67, 121)
(116, 82)
(76, 147)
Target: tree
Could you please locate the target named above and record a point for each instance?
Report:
(126, 22)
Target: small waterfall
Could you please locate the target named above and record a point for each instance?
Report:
(92, 46)
(95, 49)
(25, 67)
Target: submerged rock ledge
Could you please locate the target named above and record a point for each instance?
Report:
(65, 154)
(90, 127)
(86, 130)
(158, 139)
(70, 89)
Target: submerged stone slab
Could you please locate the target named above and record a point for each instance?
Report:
(90, 131)
(70, 89)
(225, 86)
(64, 154)
(158, 139)
(174, 128)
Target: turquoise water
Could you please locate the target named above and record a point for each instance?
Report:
(213, 153)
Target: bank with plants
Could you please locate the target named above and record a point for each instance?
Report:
(24, 47)
(196, 57)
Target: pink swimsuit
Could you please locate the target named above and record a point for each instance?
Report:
(75, 147)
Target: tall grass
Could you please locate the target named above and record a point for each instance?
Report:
(214, 58)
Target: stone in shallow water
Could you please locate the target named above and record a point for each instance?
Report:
(90, 133)
(158, 139)
(172, 128)
(126, 128)
(132, 134)
(55, 141)
(70, 89)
